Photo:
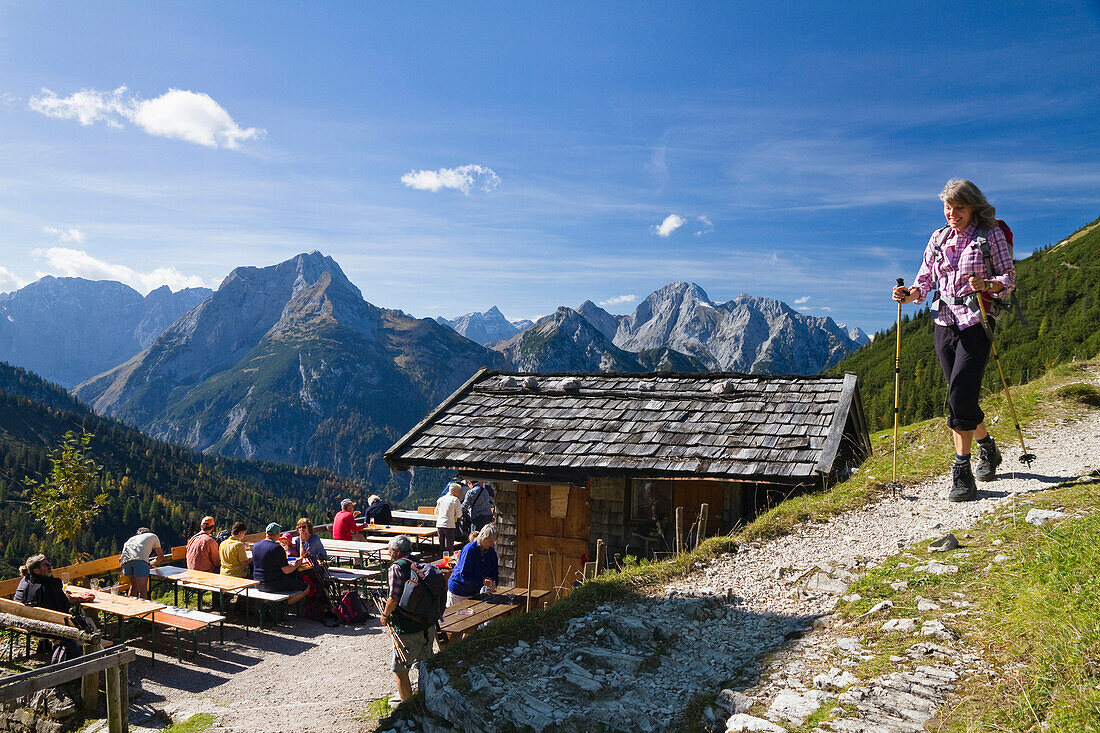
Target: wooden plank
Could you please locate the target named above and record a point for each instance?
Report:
(28, 683)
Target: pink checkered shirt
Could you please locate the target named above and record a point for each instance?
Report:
(950, 270)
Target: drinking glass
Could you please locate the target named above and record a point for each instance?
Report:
(65, 578)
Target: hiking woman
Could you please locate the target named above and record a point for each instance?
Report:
(954, 266)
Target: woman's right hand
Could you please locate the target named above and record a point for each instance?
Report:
(903, 294)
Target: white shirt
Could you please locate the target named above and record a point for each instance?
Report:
(139, 547)
(447, 511)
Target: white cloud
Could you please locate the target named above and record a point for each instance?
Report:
(671, 223)
(184, 115)
(800, 301)
(462, 178)
(66, 235)
(9, 98)
(706, 226)
(10, 281)
(78, 263)
(618, 300)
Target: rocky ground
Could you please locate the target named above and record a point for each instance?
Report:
(753, 630)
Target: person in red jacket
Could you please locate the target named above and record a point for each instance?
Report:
(344, 524)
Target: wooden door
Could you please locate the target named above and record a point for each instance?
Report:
(559, 544)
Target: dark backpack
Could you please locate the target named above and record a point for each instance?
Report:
(425, 594)
(993, 306)
(351, 609)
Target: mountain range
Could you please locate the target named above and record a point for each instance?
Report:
(289, 363)
(484, 328)
(68, 329)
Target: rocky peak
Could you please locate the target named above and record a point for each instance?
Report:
(604, 322)
(483, 328)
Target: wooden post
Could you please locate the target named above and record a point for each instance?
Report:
(115, 712)
(701, 534)
(530, 560)
(599, 546)
(89, 685)
(124, 690)
(679, 529)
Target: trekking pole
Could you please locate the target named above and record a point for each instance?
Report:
(897, 390)
(398, 646)
(1025, 457)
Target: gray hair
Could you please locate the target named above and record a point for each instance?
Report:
(373, 498)
(345, 503)
(144, 530)
(488, 532)
(402, 544)
(961, 192)
(454, 487)
(32, 564)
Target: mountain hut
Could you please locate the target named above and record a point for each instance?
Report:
(580, 457)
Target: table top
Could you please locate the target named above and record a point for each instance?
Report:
(124, 606)
(467, 615)
(215, 580)
(385, 529)
(412, 516)
(353, 545)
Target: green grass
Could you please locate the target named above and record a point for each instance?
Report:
(1035, 617)
(195, 724)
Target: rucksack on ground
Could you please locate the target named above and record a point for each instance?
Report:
(351, 609)
(425, 594)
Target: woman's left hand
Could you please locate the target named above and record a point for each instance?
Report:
(977, 284)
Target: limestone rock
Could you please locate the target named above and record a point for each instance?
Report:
(924, 604)
(734, 702)
(742, 723)
(1039, 517)
(944, 544)
(835, 680)
(796, 706)
(904, 625)
(937, 630)
(934, 567)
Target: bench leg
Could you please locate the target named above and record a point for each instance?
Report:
(179, 651)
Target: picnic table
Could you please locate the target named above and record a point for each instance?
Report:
(417, 534)
(124, 607)
(353, 549)
(201, 581)
(465, 616)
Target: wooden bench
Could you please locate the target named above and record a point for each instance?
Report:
(267, 598)
(188, 621)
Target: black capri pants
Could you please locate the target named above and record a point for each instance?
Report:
(963, 356)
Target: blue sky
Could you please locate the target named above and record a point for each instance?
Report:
(577, 151)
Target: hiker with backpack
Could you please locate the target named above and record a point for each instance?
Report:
(415, 633)
(477, 506)
(970, 258)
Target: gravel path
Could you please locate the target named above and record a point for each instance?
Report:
(300, 677)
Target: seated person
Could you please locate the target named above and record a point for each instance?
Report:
(134, 560)
(378, 510)
(38, 587)
(344, 524)
(233, 553)
(202, 549)
(476, 567)
(273, 570)
(308, 539)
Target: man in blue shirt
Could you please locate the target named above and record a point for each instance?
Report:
(273, 570)
(476, 567)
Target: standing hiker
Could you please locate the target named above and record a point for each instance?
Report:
(955, 267)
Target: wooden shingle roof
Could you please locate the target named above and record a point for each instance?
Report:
(732, 426)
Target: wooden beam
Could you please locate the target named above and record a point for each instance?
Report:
(28, 683)
(679, 530)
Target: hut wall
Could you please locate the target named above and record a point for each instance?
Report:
(608, 501)
(507, 500)
(732, 505)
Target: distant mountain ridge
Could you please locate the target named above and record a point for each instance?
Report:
(289, 363)
(68, 329)
(485, 328)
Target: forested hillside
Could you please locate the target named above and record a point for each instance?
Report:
(1057, 290)
(165, 487)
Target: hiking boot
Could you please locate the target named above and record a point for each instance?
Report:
(963, 487)
(988, 460)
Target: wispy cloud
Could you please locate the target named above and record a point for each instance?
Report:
(193, 117)
(9, 98)
(706, 225)
(671, 223)
(462, 178)
(804, 299)
(66, 235)
(617, 300)
(78, 263)
(10, 281)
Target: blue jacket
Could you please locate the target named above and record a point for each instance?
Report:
(474, 565)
